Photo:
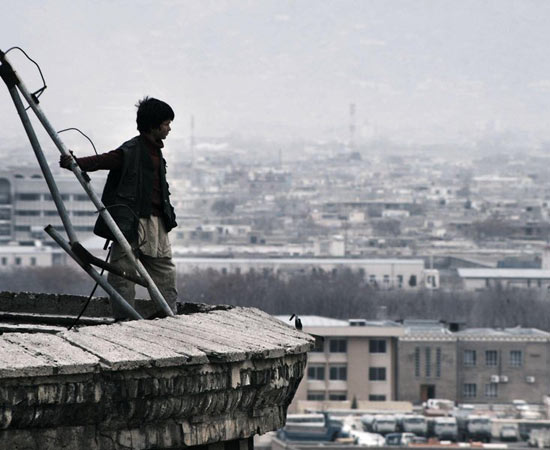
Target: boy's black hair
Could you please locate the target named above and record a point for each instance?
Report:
(151, 113)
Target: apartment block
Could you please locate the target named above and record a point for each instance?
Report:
(427, 366)
(472, 366)
(353, 362)
(497, 366)
(27, 207)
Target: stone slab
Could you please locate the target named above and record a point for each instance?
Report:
(251, 328)
(63, 357)
(110, 342)
(220, 335)
(16, 362)
(257, 322)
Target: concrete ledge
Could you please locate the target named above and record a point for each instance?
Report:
(215, 375)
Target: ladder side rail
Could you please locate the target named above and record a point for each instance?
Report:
(52, 186)
(113, 294)
(109, 221)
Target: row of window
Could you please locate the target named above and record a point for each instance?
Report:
(4, 261)
(37, 213)
(48, 197)
(427, 362)
(27, 228)
(339, 396)
(469, 390)
(341, 346)
(340, 372)
(515, 358)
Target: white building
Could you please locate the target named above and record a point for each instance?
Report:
(26, 205)
(382, 273)
(484, 278)
(14, 256)
(353, 361)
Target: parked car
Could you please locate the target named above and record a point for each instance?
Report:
(399, 439)
(509, 432)
(367, 420)
(308, 428)
(539, 438)
(384, 424)
(445, 428)
(414, 423)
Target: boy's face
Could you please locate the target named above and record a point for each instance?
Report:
(162, 131)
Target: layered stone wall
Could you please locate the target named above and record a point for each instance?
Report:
(215, 377)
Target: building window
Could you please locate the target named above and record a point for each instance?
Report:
(84, 213)
(469, 358)
(377, 346)
(27, 212)
(319, 345)
(469, 390)
(386, 280)
(377, 373)
(337, 396)
(377, 398)
(81, 197)
(316, 395)
(491, 390)
(17, 261)
(399, 281)
(33, 261)
(316, 372)
(24, 228)
(27, 197)
(4, 260)
(417, 362)
(516, 358)
(428, 362)
(438, 362)
(491, 358)
(339, 372)
(83, 228)
(338, 346)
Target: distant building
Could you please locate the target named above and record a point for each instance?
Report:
(426, 362)
(473, 365)
(353, 361)
(14, 256)
(407, 274)
(27, 207)
(485, 278)
(335, 246)
(497, 366)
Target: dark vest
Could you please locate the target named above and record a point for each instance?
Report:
(128, 192)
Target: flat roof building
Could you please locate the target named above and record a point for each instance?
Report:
(407, 274)
(478, 365)
(352, 363)
(482, 278)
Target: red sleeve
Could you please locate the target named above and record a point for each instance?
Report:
(105, 161)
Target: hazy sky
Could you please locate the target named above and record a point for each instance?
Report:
(416, 69)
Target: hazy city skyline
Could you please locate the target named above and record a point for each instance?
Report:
(417, 71)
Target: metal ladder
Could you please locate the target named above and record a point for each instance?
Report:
(73, 248)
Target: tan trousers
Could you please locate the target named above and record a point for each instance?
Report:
(156, 257)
